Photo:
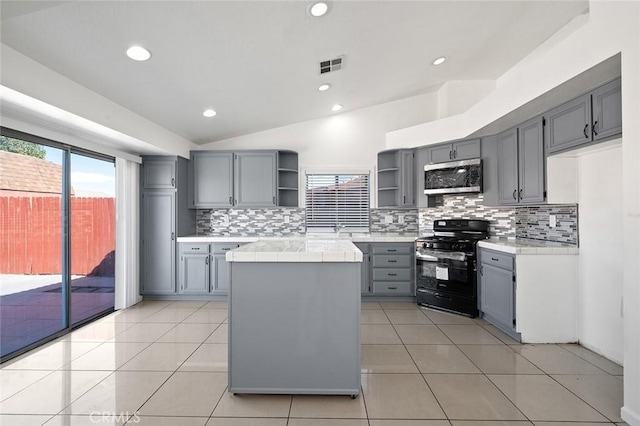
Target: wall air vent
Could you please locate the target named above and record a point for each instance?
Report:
(331, 65)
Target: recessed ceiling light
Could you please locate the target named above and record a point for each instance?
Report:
(439, 60)
(138, 53)
(324, 87)
(336, 107)
(209, 113)
(317, 9)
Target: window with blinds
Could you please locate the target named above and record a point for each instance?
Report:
(337, 201)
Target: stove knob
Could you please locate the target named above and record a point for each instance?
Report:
(458, 247)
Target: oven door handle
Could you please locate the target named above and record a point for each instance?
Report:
(426, 257)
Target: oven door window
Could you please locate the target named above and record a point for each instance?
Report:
(445, 271)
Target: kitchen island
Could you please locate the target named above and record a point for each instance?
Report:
(294, 317)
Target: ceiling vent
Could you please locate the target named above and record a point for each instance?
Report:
(331, 65)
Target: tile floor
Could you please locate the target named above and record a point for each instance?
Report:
(165, 363)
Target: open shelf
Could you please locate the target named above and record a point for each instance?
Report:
(287, 178)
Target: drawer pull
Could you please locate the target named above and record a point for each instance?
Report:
(392, 288)
(392, 261)
(392, 275)
(195, 248)
(226, 249)
(391, 250)
(439, 296)
(495, 259)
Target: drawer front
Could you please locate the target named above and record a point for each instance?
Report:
(391, 261)
(396, 249)
(392, 274)
(223, 248)
(501, 260)
(393, 288)
(194, 248)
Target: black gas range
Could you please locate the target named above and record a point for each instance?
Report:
(446, 265)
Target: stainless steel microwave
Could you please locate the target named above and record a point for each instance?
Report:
(454, 177)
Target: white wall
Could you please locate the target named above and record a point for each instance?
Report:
(457, 96)
(351, 139)
(600, 270)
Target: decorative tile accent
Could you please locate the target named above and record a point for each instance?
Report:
(409, 218)
(250, 222)
(502, 219)
(533, 222)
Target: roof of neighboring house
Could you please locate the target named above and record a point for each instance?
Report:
(29, 174)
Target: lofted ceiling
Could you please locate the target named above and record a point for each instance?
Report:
(257, 63)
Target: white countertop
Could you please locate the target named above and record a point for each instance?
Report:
(296, 250)
(523, 246)
(356, 238)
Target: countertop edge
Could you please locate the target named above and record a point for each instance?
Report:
(536, 247)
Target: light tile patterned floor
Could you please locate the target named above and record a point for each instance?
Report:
(165, 363)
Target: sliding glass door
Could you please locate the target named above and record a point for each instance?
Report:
(57, 239)
(92, 231)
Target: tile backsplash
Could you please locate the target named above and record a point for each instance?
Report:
(502, 219)
(533, 222)
(251, 222)
(509, 221)
(409, 218)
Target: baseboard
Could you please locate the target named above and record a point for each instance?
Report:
(631, 417)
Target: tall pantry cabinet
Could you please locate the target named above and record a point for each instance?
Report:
(164, 215)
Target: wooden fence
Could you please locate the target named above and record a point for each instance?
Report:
(31, 235)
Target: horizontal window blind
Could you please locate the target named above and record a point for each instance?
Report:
(337, 201)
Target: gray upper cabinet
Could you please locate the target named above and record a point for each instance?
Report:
(254, 179)
(407, 179)
(589, 118)
(396, 178)
(158, 245)
(508, 167)
(159, 173)
(607, 110)
(521, 164)
(223, 179)
(212, 174)
(568, 125)
(531, 162)
(454, 151)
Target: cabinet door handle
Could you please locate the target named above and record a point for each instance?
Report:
(520, 195)
(274, 201)
(173, 182)
(206, 260)
(482, 270)
(514, 194)
(586, 136)
(404, 199)
(594, 128)
(455, 153)
(173, 236)
(230, 201)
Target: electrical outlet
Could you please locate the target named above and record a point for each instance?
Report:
(388, 219)
(401, 218)
(552, 220)
(286, 218)
(225, 219)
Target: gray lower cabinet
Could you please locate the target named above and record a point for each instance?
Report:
(520, 162)
(158, 242)
(392, 271)
(592, 117)
(498, 290)
(203, 269)
(365, 273)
